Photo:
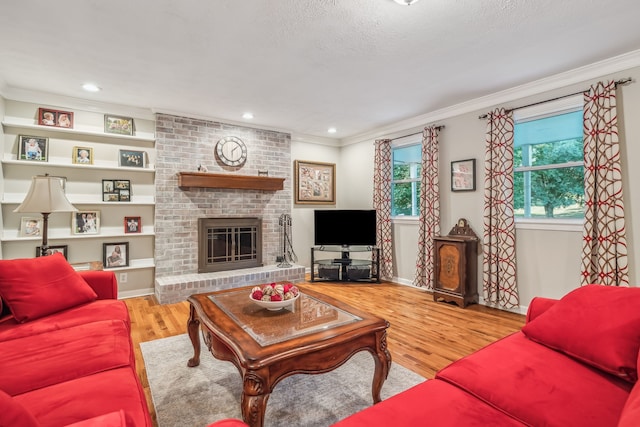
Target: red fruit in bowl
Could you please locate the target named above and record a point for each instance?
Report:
(276, 297)
(257, 295)
(286, 287)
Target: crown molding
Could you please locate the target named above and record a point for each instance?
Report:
(69, 102)
(615, 64)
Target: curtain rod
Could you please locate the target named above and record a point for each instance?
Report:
(415, 133)
(508, 110)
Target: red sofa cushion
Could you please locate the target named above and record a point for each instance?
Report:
(631, 412)
(538, 385)
(599, 325)
(63, 355)
(13, 413)
(87, 397)
(36, 287)
(112, 419)
(94, 311)
(431, 403)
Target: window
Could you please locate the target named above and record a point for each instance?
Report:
(405, 180)
(548, 163)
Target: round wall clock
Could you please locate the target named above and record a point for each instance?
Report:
(231, 151)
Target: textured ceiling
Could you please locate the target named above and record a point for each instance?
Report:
(303, 66)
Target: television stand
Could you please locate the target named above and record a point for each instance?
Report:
(345, 268)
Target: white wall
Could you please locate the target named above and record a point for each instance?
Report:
(302, 215)
(548, 261)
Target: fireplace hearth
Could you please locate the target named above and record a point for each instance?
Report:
(229, 244)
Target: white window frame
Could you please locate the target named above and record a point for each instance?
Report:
(551, 108)
(400, 143)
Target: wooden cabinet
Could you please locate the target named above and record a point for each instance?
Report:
(455, 266)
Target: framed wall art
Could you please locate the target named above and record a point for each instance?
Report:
(118, 124)
(132, 224)
(52, 250)
(56, 118)
(315, 183)
(132, 159)
(82, 155)
(33, 148)
(116, 190)
(115, 254)
(463, 175)
(30, 226)
(85, 222)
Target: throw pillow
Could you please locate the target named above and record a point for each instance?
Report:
(598, 325)
(36, 287)
(12, 413)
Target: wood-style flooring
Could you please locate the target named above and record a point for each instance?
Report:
(424, 336)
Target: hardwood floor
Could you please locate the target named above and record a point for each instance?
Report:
(424, 335)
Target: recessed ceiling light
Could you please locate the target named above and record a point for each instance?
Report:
(247, 116)
(405, 2)
(90, 87)
(332, 130)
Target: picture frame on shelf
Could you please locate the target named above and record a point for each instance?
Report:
(55, 118)
(115, 255)
(463, 175)
(30, 226)
(118, 125)
(116, 190)
(33, 148)
(53, 250)
(85, 222)
(132, 159)
(82, 155)
(315, 183)
(132, 224)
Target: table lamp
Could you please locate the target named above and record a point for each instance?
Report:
(45, 196)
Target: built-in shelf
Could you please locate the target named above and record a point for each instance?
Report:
(217, 180)
(29, 125)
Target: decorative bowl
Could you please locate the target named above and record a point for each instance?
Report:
(275, 305)
(274, 296)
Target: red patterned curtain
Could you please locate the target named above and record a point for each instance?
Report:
(604, 246)
(382, 204)
(499, 237)
(429, 208)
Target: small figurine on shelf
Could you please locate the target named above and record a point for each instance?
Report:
(202, 168)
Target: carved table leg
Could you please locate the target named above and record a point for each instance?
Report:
(254, 400)
(382, 359)
(193, 327)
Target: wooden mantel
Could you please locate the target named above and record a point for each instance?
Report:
(219, 180)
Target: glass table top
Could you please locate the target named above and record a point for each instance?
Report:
(304, 316)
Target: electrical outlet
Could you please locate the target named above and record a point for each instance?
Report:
(123, 278)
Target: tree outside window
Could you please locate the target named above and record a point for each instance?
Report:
(405, 181)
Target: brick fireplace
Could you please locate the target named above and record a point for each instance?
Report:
(182, 144)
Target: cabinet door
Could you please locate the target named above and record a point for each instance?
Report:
(450, 266)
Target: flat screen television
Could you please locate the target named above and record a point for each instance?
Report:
(344, 227)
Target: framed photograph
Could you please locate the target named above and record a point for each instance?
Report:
(118, 124)
(115, 254)
(315, 183)
(30, 226)
(463, 175)
(33, 148)
(116, 190)
(132, 224)
(52, 250)
(82, 155)
(56, 118)
(132, 159)
(85, 222)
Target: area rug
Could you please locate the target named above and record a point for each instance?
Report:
(198, 396)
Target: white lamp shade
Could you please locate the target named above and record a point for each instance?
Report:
(46, 195)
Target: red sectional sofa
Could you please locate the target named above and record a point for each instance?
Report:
(66, 355)
(574, 363)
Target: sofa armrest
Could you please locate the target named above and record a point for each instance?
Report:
(104, 283)
(228, 422)
(538, 306)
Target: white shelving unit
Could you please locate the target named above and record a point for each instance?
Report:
(83, 188)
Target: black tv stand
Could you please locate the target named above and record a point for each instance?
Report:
(346, 268)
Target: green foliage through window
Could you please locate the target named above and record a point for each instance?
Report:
(405, 182)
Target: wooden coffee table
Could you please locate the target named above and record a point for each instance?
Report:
(315, 335)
